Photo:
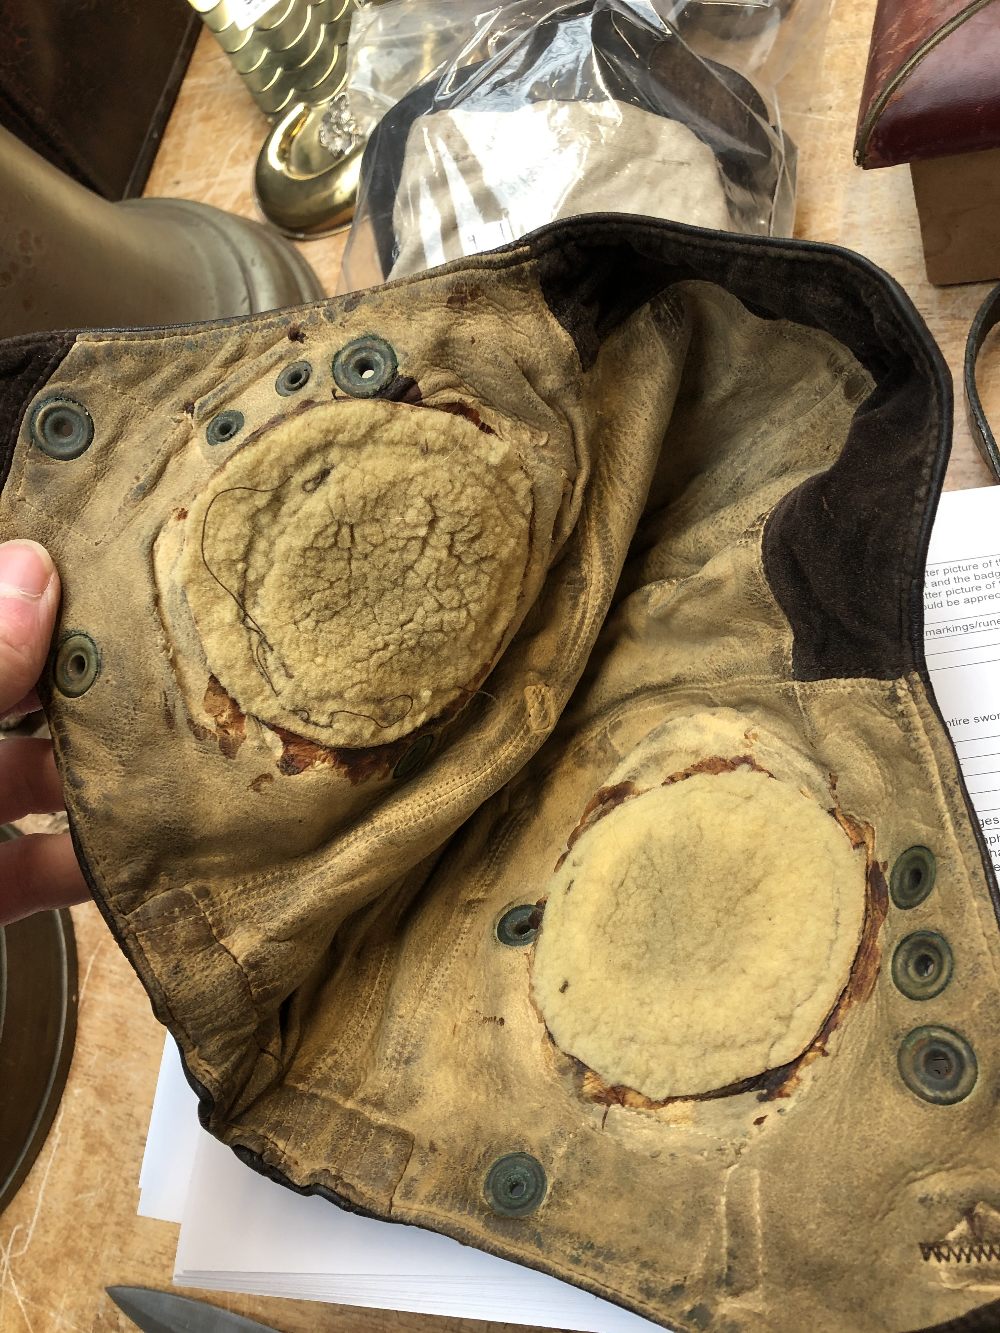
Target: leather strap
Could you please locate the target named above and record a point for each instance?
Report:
(987, 318)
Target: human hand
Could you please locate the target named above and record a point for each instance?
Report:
(41, 870)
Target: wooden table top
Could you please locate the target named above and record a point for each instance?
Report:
(73, 1229)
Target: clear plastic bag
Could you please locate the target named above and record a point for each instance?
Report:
(487, 123)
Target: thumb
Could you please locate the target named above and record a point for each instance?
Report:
(29, 599)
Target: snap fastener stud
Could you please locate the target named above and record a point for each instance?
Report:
(515, 1185)
(912, 877)
(365, 367)
(224, 427)
(77, 665)
(61, 428)
(938, 1065)
(922, 965)
(414, 758)
(519, 925)
(293, 378)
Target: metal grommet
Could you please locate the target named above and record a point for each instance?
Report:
(912, 877)
(519, 925)
(414, 758)
(77, 665)
(365, 367)
(293, 378)
(515, 1185)
(922, 965)
(224, 427)
(61, 428)
(938, 1065)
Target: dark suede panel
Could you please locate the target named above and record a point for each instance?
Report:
(26, 364)
(844, 553)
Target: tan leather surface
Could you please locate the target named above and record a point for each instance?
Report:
(320, 936)
(930, 88)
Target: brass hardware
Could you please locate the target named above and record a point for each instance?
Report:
(295, 50)
(305, 180)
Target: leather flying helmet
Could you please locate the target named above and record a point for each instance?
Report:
(494, 723)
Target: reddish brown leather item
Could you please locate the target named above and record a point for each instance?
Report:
(931, 87)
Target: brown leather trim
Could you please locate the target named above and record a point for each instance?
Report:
(987, 318)
(873, 102)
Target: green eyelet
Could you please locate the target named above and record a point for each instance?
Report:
(938, 1065)
(293, 378)
(225, 426)
(912, 877)
(77, 665)
(515, 1185)
(922, 965)
(62, 428)
(519, 925)
(414, 758)
(365, 367)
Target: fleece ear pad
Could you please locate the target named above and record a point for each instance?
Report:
(699, 933)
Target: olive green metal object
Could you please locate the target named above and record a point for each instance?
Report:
(922, 965)
(912, 877)
(77, 665)
(73, 260)
(519, 925)
(293, 378)
(365, 367)
(38, 997)
(61, 427)
(938, 1065)
(224, 426)
(515, 1185)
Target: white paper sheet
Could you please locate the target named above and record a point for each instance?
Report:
(962, 641)
(244, 1232)
(171, 1142)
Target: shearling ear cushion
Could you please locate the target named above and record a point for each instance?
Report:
(357, 569)
(699, 933)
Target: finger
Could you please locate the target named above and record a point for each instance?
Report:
(29, 782)
(23, 708)
(29, 599)
(39, 872)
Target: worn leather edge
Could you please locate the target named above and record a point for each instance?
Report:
(27, 363)
(869, 113)
(986, 320)
(980, 1319)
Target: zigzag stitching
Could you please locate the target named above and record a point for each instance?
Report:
(980, 1253)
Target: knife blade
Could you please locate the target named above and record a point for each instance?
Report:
(162, 1312)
